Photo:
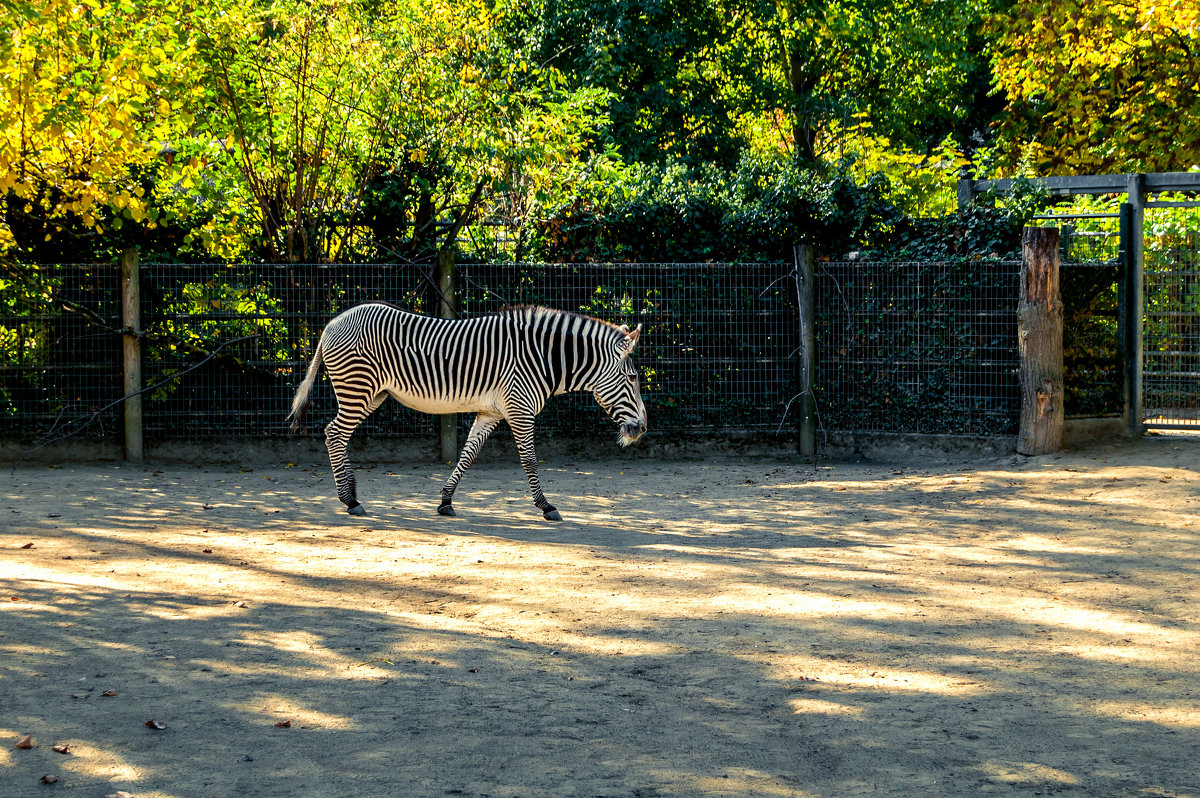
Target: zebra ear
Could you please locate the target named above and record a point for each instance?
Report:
(631, 338)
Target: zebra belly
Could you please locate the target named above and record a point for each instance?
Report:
(488, 402)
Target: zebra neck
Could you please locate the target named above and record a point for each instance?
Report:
(573, 349)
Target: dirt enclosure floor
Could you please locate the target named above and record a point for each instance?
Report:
(702, 627)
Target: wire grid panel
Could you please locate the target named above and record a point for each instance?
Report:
(1171, 332)
(718, 344)
(1079, 246)
(189, 311)
(60, 352)
(921, 347)
(1093, 374)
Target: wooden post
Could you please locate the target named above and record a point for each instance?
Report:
(806, 424)
(131, 297)
(448, 422)
(1040, 341)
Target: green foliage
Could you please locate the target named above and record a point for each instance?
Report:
(371, 129)
(86, 95)
(702, 81)
(918, 185)
(763, 208)
(23, 294)
(989, 229)
(1096, 87)
(308, 102)
(756, 212)
(906, 65)
(278, 129)
(660, 63)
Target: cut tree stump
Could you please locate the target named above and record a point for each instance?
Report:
(1040, 342)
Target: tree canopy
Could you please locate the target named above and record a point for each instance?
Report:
(1096, 86)
(85, 106)
(355, 129)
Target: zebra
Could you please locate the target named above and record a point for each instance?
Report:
(500, 366)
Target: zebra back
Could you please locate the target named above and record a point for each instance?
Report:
(525, 352)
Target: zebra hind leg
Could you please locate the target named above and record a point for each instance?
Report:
(337, 436)
(522, 430)
(481, 428)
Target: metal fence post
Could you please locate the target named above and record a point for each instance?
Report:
(806, 438)
(447, 422)
(1124, 325)
(131, 297)
(966, 190)
(1133, 237)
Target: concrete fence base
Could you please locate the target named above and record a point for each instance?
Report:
(309, 451)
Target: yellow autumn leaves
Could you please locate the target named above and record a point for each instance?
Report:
(83, 102)
(1095, 87)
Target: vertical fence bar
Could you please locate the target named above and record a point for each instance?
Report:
(806, 437)
(1134, 301)
(447, 422)
(1040, 342)
(966, 190)
(1125, 342)
(132, 353)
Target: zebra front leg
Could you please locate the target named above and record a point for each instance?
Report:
(481, 428)
(522, 430)
(337, 436)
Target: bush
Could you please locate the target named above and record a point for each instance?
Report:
(990, 228)
(673, 213)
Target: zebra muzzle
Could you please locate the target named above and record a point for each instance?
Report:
(632, 431)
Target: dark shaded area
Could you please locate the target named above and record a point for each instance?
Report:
(1092, 369)
(921, 347)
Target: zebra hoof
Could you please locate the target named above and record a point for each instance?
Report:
(552, 515)
(447, 509)
(357, 509)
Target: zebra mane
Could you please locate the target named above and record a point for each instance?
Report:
(537, 313)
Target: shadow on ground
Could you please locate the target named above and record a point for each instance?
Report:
(733, 627)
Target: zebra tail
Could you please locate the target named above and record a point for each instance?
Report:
(302, 400)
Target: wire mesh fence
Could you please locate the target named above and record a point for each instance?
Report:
(920, 347)
(924, 347)
(1171, 330)
(60, 350)
(190, 310)
(225, 345)
(718, 345)
(1093, 379)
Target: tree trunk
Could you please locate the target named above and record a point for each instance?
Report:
(131, 320)
(446, 309)
(806, 416)
(802, 80)
(1039, 339)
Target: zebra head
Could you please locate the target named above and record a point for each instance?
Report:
(618, 391)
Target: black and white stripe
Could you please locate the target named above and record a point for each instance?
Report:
(503, 366)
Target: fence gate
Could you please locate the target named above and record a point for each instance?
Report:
(1159, 292)
(1170, 316)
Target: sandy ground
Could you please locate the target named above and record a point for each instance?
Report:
(704, 627)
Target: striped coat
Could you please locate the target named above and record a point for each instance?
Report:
(501, 366)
